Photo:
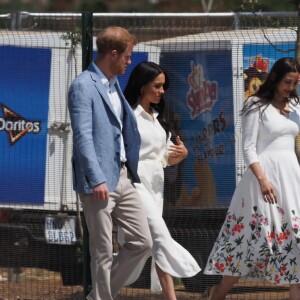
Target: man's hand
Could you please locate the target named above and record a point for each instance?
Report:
(101, 192)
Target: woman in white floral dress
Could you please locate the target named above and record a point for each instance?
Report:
(260, 238)
(144, 92)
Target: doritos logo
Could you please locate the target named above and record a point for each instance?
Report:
(202, 94)
(16, 126)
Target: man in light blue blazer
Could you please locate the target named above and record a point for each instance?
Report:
(105, 159)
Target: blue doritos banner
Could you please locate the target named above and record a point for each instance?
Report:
(201, 99)
(24, 85)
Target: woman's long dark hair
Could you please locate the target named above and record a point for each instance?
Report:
(265, 93)
(140, 76)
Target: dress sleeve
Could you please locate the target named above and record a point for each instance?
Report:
(166, 155)
(169, 142)
(250, 127)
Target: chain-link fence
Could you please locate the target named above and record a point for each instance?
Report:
(214, 62)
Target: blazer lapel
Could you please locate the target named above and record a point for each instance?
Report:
(101, 90)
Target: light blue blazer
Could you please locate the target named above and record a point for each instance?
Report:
(97, 132)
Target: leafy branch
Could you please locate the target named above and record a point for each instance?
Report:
(73, 39)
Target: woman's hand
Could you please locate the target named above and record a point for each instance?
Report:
(267, 188)
(177, 153)
(268, 191)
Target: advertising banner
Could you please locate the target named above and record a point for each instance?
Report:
(200, 99)
(24, 85)
(258, 60)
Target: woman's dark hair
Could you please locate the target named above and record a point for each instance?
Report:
(266, 91)
(140, 76)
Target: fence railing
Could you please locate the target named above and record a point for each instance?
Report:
(214, 62)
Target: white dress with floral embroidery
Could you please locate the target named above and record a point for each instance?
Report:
(259, 240)
(166, 252)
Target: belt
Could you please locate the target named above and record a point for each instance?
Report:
(123, 164)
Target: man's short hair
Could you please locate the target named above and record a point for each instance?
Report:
(114, 38)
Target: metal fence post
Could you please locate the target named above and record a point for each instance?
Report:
(87, 55)
(16, 21)
(87, 39)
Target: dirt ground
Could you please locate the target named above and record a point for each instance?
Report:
(39, 284)
(36, 284)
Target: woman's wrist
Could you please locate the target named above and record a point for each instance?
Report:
(261, 179)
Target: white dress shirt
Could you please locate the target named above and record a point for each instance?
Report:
(116, 103)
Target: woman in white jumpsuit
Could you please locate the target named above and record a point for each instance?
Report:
(144, 92)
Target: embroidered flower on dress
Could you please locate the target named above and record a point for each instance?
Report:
(274, 260)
